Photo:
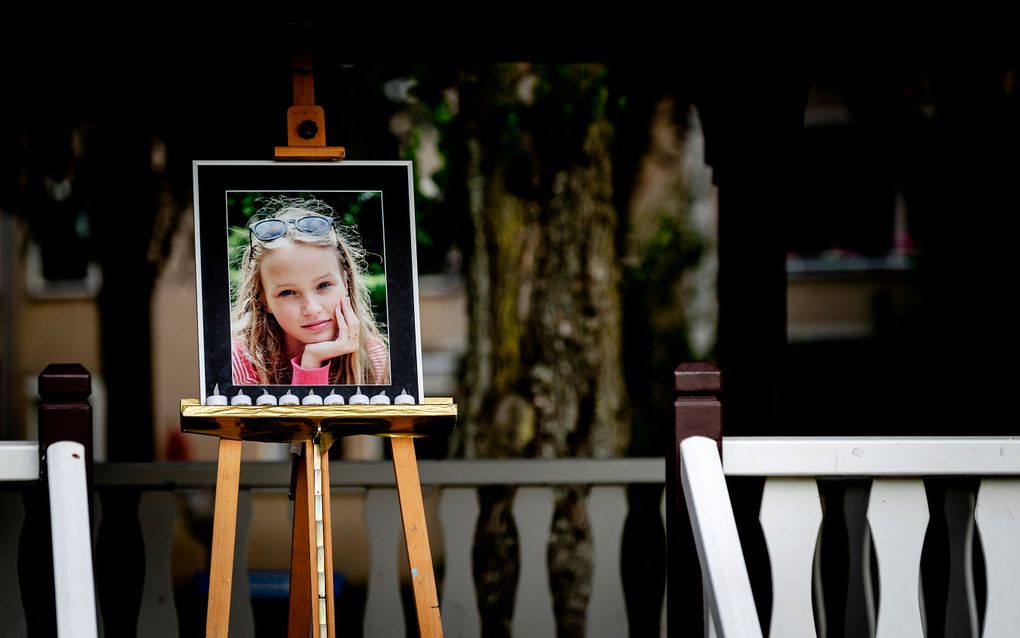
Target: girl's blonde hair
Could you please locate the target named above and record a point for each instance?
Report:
(258, 329)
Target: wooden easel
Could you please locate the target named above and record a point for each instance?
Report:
(311, 569)
(317, 427)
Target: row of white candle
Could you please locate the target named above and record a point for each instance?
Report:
(310, 399)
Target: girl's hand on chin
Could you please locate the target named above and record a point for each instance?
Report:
(346, 341)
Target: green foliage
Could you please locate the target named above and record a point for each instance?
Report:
(656, 334)
(671, 250)
(376, 284)
(439, 215)
(240, 209)
(550, 124)
(568, 99)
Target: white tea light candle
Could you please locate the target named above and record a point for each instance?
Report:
(216, 398)
(358, 398)
(240, 398)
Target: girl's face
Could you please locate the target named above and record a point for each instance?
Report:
(303, 286)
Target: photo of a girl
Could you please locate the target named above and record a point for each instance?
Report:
(301, 306)
(307, 279)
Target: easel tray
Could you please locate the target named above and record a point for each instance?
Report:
(282, 424)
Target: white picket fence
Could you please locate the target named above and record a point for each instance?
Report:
(160, 507)
(895, 512)
(74, 592)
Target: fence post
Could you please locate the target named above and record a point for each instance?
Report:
(64, 415)
(698, 413)
(64, 410)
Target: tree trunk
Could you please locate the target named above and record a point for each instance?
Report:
(543, 377)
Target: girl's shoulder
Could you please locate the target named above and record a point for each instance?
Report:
(379, 357)
(375, 345)
(242, 368)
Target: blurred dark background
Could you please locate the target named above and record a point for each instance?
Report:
(883, 180)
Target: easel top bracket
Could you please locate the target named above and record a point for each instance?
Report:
(306, 122)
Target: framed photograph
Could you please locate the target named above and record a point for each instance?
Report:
(307, 279)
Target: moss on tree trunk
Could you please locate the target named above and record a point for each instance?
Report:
(543, 378)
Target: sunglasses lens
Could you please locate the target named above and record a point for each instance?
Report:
(314, 225)
(269, 229)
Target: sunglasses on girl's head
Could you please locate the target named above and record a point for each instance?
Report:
(270, 229)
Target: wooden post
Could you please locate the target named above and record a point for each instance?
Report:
(228, 471)
(64, 415)
(698, 413)
(419, 554)
(64, 411)
(698, 410)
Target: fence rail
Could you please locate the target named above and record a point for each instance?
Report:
(138, 507)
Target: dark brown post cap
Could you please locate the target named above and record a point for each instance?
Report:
(698, 378)
(65, 380)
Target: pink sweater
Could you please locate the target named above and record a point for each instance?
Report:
(244, 373)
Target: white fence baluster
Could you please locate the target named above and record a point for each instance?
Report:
(726, 584)
(607, 614)
(72, 540)
(157, 513)
(707, 619)
(384, 614)
(791, 514)
(898, 516)
(998, 521)
(533, 608)
(458, 514)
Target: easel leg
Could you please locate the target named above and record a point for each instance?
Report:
(224, 534)
(419, 554)
(327, 546)
(300, 604)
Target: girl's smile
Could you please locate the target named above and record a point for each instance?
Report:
(319, 325)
